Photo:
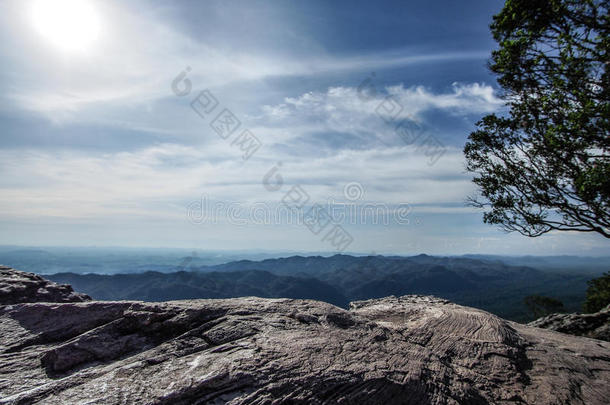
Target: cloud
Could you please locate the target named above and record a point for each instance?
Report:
(323, 139)
(364, 118)
(141, 198)
(164, 178)
(340, 101)
(463, 99)
(139, 54)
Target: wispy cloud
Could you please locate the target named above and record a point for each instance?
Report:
(139, 54)
(99, 138)
(297, 132)
(357, 118)
(72, 184)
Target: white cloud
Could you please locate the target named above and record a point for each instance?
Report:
(161, 180)
(340, 102)
(366, 117)
(138, 55)
(81, 184)
(463, 99)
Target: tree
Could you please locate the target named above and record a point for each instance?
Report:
(544, 163)
(598, 293)
(541, 306)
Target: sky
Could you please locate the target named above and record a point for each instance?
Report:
(237, 125)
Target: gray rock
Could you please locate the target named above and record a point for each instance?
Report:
(19, 286)
(407, 350)
(596, 325)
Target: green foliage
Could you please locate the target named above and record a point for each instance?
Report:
(540, 306)
(544, 164)
(598, 294)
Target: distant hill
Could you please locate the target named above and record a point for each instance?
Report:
(556, 263)
(155, 286)
(485, 283)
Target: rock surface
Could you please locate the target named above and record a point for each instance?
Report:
(596, 325)
(407, 350)
(18, 286)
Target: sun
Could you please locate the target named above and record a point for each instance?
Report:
(69, 25)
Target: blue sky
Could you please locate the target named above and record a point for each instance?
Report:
(97, 149)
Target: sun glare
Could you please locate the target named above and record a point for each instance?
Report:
(70, 25)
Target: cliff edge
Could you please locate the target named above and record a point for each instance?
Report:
(19, 286)
(394, 350)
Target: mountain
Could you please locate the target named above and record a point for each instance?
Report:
(154, 286)
(484, 283)
(406, 350)
(556, 263)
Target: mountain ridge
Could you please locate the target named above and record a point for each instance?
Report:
(489, 285)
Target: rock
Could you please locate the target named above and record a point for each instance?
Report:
(407, 350)
(18, 287)
(596, 325)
